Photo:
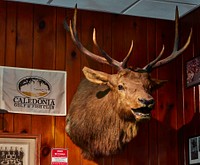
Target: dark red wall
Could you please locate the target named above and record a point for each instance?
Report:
(25, 43)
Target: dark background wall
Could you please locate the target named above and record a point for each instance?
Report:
(32, 36)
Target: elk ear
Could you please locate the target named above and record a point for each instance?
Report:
(158, 83)
(96, 77)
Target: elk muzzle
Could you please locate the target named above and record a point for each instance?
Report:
(145, 111)
(147, 103)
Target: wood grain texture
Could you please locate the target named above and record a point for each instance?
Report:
(32, 36)
(44, 58)
(60, 135)
(24, 53)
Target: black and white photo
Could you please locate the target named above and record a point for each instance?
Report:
(194, 150)
(19, 149)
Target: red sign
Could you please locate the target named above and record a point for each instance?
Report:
(59, 156)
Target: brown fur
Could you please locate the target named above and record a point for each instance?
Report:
(100, 120)
(106, 109)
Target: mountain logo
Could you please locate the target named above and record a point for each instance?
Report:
(33, 86)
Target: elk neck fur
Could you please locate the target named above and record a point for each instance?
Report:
(100, 121)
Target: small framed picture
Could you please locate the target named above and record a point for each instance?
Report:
(194, 150)
(193, 71)
(20, 149)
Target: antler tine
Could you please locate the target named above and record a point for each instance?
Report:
(117, 64)
(73, 32)
(106, 59)
(124, 62)
(148, 67)
(175, 51)
(110, 60)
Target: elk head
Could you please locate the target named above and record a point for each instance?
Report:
(106, 103)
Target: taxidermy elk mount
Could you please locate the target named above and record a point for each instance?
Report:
(106, 109)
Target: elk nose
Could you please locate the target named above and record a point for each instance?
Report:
(147, 103)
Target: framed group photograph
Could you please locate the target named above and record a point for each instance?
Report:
(194, 150)
(193, 72)
(20, 149)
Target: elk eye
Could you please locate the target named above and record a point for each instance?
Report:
(120, 87)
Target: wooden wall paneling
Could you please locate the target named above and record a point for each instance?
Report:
(187, 93)
(90, 20)
(180, 117)
(190, 115)
(11, 34)
(10, 52)
(73, 58)
(173, 141)
(44, 58)
(60, 61)
(184, 29)
(2, 46)
(123, 33)
(3, 11)
(180, 114)
(37, 32)
(153, 123)
(24, 38)
(44, 37)
(24, 47)
(167, 114)
(160, 136)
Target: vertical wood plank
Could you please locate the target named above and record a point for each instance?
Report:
(44, 58)
(3, 9)
(181, 87)
(60, 65)
(11, 34)
(3, 16)
(10, 51)
(24, 46)
(44, 37)
(88, 23)
(167, 116)
(24, 38)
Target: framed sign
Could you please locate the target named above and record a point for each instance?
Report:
(20, 149)
(59, 156)
(194, 150)
(193, 71)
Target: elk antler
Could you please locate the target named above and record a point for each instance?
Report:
(156, 63)
(106, 59)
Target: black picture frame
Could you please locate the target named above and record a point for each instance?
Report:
(194, 150)
(193, 72)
